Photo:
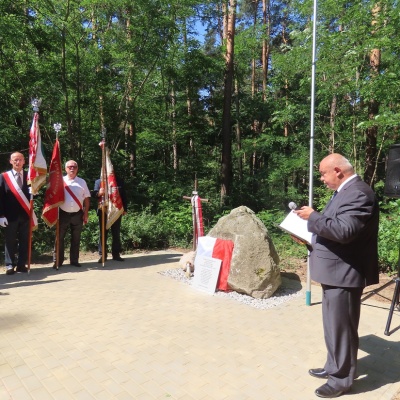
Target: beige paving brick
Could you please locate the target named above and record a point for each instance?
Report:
(12, 382)
(145, 396)
(83, 395)
(31, 383)
(131, 333)
(41, 394)
(21, 393)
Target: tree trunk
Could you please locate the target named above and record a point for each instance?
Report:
(70, 133)
(129, 126)
(225, 22)
(371, 134)
(173, 127)
(78, 128)
(131, 134)
(188, 96)
(238, 131)
(253, 60)
(226, 165)
(266, 47)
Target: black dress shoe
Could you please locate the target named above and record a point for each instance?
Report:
(118, 258)
(22, 268)
(328, 392)
(100, 260)
(76, 264)
(318, 373)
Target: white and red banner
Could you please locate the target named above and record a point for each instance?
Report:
(37, 171)
(113, 201)
(197, 217)
(220, 249)
(54, 195)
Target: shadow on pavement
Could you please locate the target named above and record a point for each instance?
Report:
(39, 272)
(381, 365)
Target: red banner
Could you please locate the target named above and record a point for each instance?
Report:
(55, 188)
(113, 199)
(37, 164)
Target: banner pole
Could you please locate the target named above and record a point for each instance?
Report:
(35, 107)
(103, 200)
(57, 128)
(30, 230)
(58, 240)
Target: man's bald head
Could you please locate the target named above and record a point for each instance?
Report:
(334, 170)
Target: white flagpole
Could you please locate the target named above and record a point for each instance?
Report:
(57, 128)
(104, 200)
(311, 172)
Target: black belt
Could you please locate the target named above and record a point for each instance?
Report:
(70, 213)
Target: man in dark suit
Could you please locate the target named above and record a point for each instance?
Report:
(14, 214)
(116, 247)
(344, 259)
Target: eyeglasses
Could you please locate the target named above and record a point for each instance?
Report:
(72, 166)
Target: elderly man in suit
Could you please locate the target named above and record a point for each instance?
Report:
(344, 259)
(14, 214)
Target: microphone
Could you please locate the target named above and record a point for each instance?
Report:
(293, 205)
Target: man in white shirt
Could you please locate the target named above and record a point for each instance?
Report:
(73, 214)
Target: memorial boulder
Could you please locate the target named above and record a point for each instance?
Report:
(255, 263)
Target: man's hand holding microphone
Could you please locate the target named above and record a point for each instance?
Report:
(304, 213)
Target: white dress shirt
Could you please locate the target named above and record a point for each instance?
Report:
(79, 188)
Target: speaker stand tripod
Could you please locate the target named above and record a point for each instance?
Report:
(395, 299)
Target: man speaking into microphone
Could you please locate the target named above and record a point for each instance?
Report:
(343, 259)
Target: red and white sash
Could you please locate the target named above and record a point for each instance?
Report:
(72, 194)
(19, 195)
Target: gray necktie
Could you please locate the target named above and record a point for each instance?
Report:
(19, 180)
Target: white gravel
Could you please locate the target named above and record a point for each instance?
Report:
(282, 295)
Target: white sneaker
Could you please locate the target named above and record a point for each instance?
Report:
(9, 269)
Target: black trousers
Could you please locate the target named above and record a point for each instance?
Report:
(341, 315)
(17, 241)
(74, 223)
(115, 229)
